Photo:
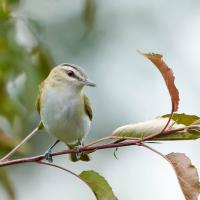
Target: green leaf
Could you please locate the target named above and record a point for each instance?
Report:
(7, 184)
(143, 129)
(98, 185)
(191, 134)
(183, 118)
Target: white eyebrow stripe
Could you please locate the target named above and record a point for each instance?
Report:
(77, 68)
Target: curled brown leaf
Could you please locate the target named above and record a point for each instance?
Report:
(168, 76)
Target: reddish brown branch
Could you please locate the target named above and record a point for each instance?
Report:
(91, 148)
(82, 149)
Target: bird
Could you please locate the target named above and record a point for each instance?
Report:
(64, 108)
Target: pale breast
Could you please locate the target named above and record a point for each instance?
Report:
(63, 115)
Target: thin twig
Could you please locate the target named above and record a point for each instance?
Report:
(102, 139)
(59, 167)
(162, 155)
(66, 170)
(154, 150)
(30, 135)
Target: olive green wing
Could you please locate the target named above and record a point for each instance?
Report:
(37, 104)
(88, 108)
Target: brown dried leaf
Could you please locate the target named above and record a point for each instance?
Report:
(187, 175)
(168, 76)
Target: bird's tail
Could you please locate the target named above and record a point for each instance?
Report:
(74, 157)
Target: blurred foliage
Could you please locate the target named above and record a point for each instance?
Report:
(7, 144)
(22, 67)
(7, 184)
(24, 63)
(89, 16)
(89, 13)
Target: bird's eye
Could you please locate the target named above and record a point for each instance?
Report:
(70, 73)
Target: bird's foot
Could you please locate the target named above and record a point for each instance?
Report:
(48, 156)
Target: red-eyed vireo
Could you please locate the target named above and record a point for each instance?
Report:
(65, 110)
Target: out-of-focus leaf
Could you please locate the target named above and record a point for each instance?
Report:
(12, 1)
(89, 13)
(23, 35)
(168, 76)
(33, 60)
(99, 185)
(43, 60)
(6, 183)
(183, 118)
(187, 175)
(16, 87)
(4, 12)
(7, 143)
(143, 129)
(6, 7)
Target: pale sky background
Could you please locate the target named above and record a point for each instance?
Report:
(130, 89)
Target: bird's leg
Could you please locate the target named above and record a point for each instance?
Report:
(47, 154)
(78, 152)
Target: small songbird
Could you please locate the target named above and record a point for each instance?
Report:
(65, 110)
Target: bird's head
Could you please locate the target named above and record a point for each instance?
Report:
(71, 75)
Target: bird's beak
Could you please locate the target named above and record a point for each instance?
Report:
(89, 83)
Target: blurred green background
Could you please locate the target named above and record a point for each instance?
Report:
(103, 37)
